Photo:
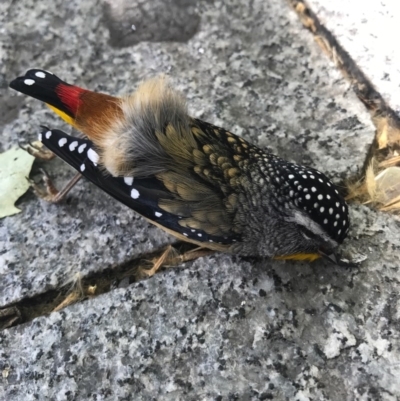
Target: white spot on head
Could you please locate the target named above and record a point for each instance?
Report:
(93, 156)
(82, 147)
(158, 214)
(129, 181)
(320, 180)
(29, 82)
(73, 145)
(40, 74)
(135, 193)
(304, 176)
(47, 134)
(82, 168)
(62, 142)
(312, 177)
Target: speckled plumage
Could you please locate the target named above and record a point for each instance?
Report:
(197, 181)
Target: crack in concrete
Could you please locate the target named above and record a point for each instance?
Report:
(386, 145)
(92, 285)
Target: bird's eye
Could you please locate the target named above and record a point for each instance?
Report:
(307, 234)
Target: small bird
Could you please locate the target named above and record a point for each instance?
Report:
(197, 181)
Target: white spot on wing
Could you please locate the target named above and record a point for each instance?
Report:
(29, 82)
(135, 193)
(129, 181)
(40, 74)
(62, 142)
(82, 147)
(158, 214)
(82, 168)
(47, 134)
(93, 156)
(73, 146)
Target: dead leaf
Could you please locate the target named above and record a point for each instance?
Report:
(15, 166)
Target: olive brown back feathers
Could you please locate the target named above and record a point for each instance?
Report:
(195, 180)
(135, 144)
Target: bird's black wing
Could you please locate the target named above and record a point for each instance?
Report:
(140, 194)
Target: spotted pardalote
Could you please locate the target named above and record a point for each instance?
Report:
(197, 181)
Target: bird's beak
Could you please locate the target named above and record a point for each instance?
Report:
(337, 260)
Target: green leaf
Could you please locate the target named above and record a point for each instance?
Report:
(15, 165)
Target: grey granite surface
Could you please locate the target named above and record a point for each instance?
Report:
(225, 329)
(367, 30)
(221, 328)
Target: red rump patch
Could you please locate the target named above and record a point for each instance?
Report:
(70, 96)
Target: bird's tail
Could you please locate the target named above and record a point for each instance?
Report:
(63, 98)
(90, 112)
